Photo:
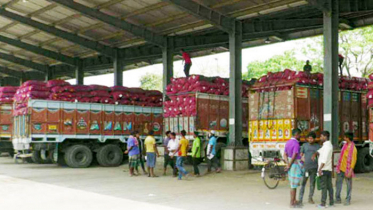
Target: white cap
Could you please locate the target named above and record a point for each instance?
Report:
(213, 132)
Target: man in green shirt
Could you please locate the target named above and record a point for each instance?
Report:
(196, 153)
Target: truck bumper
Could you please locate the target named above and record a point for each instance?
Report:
(21, 144)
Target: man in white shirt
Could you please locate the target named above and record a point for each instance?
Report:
(173, 149)
(325, 154)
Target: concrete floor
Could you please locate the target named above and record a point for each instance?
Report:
(39, 187)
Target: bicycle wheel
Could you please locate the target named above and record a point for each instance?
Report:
(271, 175)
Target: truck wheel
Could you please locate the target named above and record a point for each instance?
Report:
(364, 161)
(110, 155)
(78, 156)
(36, 157)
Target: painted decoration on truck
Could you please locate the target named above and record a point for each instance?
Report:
(117, 126)
(302, 92)
(94, 126)
(5, 127)
(127, 126)
(192, 126)
(287, 129)
(223, 123)
(37, 126)
(52, 127)
(82, 124)
(108, 126)
(68, 122)
(156, 127)
(280, 130)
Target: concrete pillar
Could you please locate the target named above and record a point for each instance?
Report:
(79, 73)
(331, 77)
(118, 69)
(235, 156)
(48, 75)
(168, 62)
(235, 86)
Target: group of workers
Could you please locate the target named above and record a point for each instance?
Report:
(175, 154)
(314, 162)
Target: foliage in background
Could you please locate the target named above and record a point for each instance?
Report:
(288, 60)
(355, 45)
(151, 82)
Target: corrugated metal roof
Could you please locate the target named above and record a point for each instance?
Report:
(161, 17)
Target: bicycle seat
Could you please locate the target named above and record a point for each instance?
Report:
(277, 160)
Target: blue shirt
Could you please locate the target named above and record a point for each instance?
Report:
(132, 142)
(212, 142)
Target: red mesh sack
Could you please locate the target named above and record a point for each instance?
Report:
(57, 82)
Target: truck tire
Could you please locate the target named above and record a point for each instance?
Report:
(364, 161)
(110, 155)
(78, 156)
(36, 157)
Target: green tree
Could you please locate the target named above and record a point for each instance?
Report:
(151, 82)
(277, 63)
(355, 45)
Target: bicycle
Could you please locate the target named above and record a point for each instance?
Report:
(273, 172)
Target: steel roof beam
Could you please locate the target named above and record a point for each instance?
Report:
(278, 25)
(38, 50)
(322, 5)
(105, 50)
(139, 31)
(32, 65)
(347, 6)
(221, 21)
(10, 73)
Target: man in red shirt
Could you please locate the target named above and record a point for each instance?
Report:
(187, 62)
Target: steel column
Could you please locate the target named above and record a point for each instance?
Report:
(48, 74)
(235, 84)
(331, 72)
(79, 73)
(168, 62)
(118, 69)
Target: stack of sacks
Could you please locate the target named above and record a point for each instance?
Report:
(201, 84)
(72, 93)
(7, 94)
(181, 105)
(136, 96)
(32, 90)
(29, 90)
(284, 81)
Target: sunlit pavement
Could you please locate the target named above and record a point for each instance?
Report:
(52, 187)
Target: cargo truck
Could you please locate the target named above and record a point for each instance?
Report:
(74, 133)
(6, 122)
(212, 113)
(273, 115)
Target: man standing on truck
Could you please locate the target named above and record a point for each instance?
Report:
(183, 151)
(151, 153)
(186, 61)
(133, 153)
(307, 68)
(167, 159)
(294, 166)
(310, 166)
(196, 153)
(325, 154)
(345, 168)
(212, 160)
